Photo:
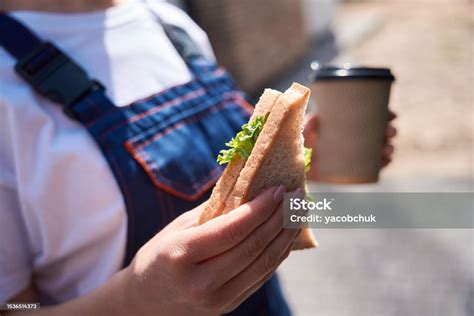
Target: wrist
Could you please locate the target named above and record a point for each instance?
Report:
(111, 299)
(122, 302)
(136, 295)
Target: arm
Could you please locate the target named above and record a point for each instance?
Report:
(195, 270)
(110, 298)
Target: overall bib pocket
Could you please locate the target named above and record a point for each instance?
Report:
(180, 157)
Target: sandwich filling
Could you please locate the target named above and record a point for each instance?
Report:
(242, 144)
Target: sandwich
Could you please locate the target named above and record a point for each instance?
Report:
(267, 152)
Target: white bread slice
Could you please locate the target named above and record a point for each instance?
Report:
(215, 205)
(277, 157)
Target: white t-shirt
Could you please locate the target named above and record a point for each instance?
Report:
(62, 216)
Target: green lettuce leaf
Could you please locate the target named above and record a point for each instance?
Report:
(243, 143)
(307, 159)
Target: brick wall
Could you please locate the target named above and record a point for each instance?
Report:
(256, 40)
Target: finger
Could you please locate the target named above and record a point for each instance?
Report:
(187, 219)
(226, 231)
(258, 283)
(310, 130)
(248, 292)
(266, 263)
(390, 131)
(388, 151)
(391, 115)
(227, 265)
(310, 120)
(386, 162)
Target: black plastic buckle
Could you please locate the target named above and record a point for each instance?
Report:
(55, 76)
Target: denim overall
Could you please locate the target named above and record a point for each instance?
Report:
(162, 149)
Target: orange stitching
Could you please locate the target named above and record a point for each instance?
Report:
(171, 207)
(130, 209)
(190, 95)
(160, 196)
(161, 106)
(153, 166)
(155, 95)
(159, 184)
(186, 121)
(219, 71)
(244, 104)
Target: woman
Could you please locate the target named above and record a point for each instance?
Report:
(99, 199)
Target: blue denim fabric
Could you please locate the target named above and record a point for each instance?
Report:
(162, 151)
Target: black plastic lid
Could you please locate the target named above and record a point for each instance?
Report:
(349, 72)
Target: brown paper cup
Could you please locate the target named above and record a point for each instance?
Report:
(352, 105)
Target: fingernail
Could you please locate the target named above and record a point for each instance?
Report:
(299, 192)
(278, 195)
(296, 234)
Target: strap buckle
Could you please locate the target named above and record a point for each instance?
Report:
(55, 76)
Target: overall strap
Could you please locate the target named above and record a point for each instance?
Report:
(48, 70)
(182, 42)
(56, 76)
(17, 40)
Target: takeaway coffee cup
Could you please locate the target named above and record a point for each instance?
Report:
(352, 105)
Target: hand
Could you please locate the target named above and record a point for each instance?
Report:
(210, 269)
(195, 270)
(311, 134)
(390, 133)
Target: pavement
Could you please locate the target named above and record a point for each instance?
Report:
(384, 272)
(429, 46)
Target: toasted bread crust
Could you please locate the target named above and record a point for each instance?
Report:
(274, 160)
(269, 164)
(287, 112)
(305, 240)
(226, 182)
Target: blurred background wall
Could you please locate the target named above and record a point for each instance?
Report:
(254, 40)
(258, 41)
(427, 43)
